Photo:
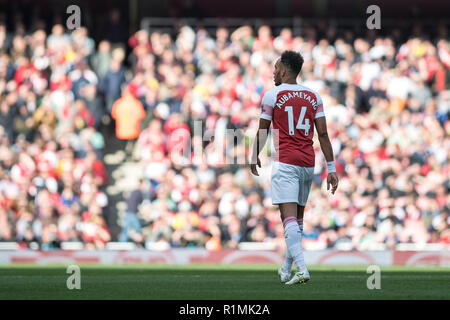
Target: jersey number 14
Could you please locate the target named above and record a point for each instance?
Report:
(300, 125)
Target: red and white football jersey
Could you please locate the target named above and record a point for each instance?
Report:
(292, 109)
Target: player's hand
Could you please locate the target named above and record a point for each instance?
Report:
(333, 181)
(253, 167)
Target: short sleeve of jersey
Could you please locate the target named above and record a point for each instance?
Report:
(319, 110)
(267, 105)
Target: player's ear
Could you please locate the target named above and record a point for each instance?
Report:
(283, 71)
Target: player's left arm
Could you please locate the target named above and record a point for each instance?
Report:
(325, 145)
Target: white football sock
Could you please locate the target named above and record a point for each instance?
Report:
(300, 225)
(293, 237)
(287, 265)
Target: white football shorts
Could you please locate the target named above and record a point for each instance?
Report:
(290, 183)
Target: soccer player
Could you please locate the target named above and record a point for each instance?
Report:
(294, 110)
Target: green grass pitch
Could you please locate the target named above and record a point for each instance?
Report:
(211, 282)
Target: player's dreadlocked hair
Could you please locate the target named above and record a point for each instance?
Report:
(293, 60)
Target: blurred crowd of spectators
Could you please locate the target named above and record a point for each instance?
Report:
(387, 104)
(52, 175)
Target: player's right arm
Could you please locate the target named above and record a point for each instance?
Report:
(325, 145)
(265, 120)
